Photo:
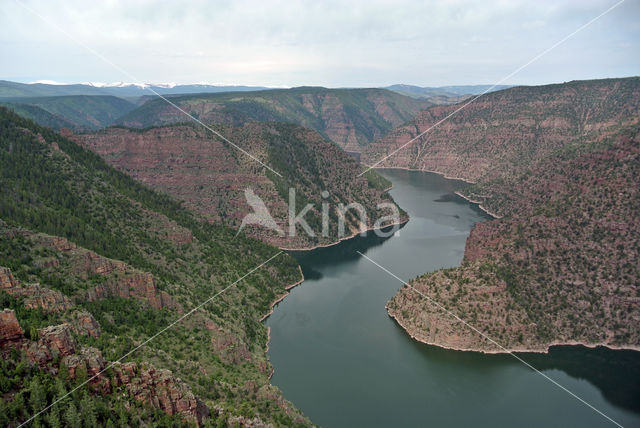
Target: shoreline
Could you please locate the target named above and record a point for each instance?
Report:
(368, 229)
(280, 298)
(479, 204)
(443, 175)
(272, 307)
(544, 349)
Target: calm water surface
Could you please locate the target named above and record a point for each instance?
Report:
(341, 360)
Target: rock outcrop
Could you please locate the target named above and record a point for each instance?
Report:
(83, 323)
(139, 286)
(157, 388)
(7, 281)
(58, 339)
(161, 390)
(121, 280)
(91, 360)
(34, 296)
(10, 330)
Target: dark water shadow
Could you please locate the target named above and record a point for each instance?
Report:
(313, 261)
(448, 197)
(616, 373)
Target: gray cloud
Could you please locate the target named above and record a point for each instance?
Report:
(288, 43)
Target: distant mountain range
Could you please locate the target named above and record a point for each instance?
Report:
(123, 90)
(350, 117)
(445, 91)
(47, 88)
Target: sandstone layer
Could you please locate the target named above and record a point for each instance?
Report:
(562, 264)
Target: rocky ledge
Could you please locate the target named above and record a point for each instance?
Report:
(56, 349)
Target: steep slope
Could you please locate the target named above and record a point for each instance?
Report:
(562, 265)
(78, 112)
(39, 115)
(505, 131)
(349, 117)
(107, 249)
(212, 177)
(10, 89)
(562, 268)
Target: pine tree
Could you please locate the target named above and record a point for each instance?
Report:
(72, 417)
(37, 395)
(88, 410)
(53, 417)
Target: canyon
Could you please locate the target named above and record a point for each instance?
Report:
(559, 165)
(212, 177)
(107, 236)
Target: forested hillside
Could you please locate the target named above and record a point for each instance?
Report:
(93, 263)
(77, 112)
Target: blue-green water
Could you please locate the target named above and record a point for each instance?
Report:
(341, 360)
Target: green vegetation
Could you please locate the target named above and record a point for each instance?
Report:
(64, 190)
(376, 181)
(38, 388)
(77, 112)
(39, 115)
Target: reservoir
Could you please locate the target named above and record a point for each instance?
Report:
(340, 359)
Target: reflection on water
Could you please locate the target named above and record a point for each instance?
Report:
(340, 358)
(312, 261)
(615, 373)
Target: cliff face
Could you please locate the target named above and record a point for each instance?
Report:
(561, 266)
(10, 330)
(349, 117)
(211, 177)
(117, 279)
(56, 349)
(504, 132)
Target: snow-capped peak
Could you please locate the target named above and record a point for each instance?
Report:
(47, 82)
(115, 84)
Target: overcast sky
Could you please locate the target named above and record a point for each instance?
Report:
(290, 43)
